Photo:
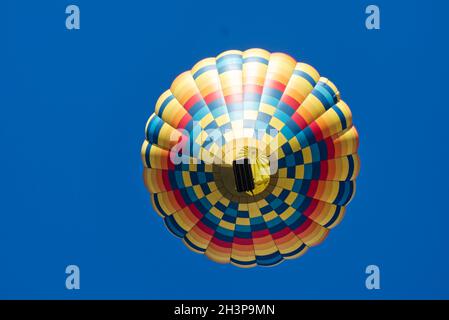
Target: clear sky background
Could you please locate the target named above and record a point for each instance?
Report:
(73, 106)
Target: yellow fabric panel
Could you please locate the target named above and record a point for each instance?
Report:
(185, 220)
(173, 113)
(227, 225)
(216, 255)
(288, 244)
(243, 221)
(254, 72)
(158, 157)
(298, 88)
(202, 63)
(346, 142)
(168, 203)
(270, 216)
(254, 211)
(307, 68)
(266, 108)
(225, 53)
(186, 179)
(288, 213)
(311, 109)
(291, 198)
(184, 87)
(198, 238)
(160, 100)
(324, 212)
(143, 151)
(307, 155)
(285, 183)
(214, 211)
(327, 190)
(256, 52)
(153, 180)
(280, 67)
(314, 234)
(223, 119)
(276, 123)
(294, 144)
(332, 86)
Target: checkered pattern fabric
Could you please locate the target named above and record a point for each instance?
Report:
(236, 96)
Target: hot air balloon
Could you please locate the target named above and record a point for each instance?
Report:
(250, 157)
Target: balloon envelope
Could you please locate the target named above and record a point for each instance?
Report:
(298, 146)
